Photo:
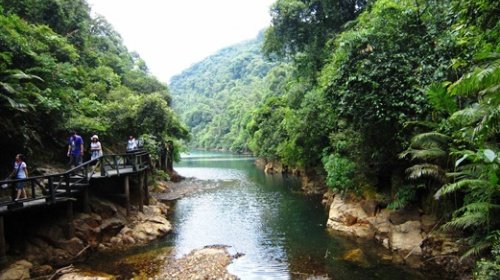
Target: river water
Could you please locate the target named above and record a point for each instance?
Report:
(281, 232)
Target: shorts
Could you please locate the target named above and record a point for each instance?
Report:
(20, 185)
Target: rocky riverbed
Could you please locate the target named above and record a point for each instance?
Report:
(48, 254)
(105, 228)
(412, 236)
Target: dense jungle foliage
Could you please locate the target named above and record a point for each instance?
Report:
(213, 97)
(61, 69)
(390, 99)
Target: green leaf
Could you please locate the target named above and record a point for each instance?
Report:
(457, 163)
(490, 155)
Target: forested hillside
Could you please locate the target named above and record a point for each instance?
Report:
(61, 69)
(214, 96)
(394, 100)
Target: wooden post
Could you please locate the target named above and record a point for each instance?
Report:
(141, 191)
(32, 183)
(70, 230)
(52, 191)
(146, 189)
(68, 188)
(3, 244)
(86, 206)
(101, 162)
(126, 186)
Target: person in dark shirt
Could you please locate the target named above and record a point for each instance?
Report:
(75, 149)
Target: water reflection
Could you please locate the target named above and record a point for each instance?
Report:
(280, 232)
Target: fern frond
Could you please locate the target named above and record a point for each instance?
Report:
(7, 88)
(440, 99)
(466, 221)
(423, 124)
(429, 138)
(427, 154)
(462, 184)
(19, 75)
(488, 74)
(477, 207)
(468, 115)
(476, 250)
(426, 170)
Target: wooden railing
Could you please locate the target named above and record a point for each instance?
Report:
(67, 184)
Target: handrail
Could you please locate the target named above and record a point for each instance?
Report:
(78, 175)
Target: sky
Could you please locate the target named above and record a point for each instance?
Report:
(172, 35)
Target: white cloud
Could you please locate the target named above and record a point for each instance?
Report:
(171, 35)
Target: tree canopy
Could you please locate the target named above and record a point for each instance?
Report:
(62, 70)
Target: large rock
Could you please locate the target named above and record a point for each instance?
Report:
(349, 218)
(41, 270)
(38, 250)
(111, 227)
(313, 184)
(17, 271)
(402, 216)
(356, 256)
(370, 207)
(73, 246)
(260, 163)
(355, 220)
(274, 167)
(148, 226)
(407, 238)
(105, 209)
(327, 199)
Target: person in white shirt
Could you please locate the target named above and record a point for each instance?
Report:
(95, 147)
(20, 172)
(131, 144)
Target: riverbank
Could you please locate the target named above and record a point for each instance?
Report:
(48, 254)
(412, 236)
(44, 246)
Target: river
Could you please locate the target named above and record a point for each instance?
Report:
(280, 232)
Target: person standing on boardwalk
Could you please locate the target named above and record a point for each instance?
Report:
(95, 147)
(20, 172)
(75, 149)
(131, 144)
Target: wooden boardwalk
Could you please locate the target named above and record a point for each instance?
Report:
(73, 185)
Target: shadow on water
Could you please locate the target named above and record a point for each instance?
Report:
(281, 232)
